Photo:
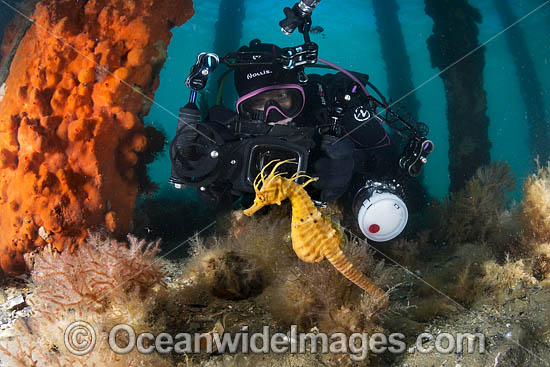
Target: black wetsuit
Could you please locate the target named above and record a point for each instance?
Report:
(373, 156)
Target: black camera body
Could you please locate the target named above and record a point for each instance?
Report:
(256, 152)
(240, 159)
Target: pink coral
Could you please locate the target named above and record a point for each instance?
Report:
(102, 283)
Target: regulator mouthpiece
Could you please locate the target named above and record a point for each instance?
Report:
(381, 213)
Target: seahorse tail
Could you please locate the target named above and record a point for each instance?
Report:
(337, 258)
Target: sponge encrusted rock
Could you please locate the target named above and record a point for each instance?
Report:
(70, 119)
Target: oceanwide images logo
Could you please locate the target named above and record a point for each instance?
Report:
(260, 73)
(81, 338)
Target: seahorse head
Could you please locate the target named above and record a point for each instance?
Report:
(274, 188)
(269, 190)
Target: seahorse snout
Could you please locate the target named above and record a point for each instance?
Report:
(254, 208)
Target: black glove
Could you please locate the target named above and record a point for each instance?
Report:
(334, 168)
(209, 199)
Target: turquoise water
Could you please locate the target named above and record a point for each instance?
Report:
(351, 40)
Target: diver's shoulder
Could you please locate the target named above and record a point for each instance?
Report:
(220, 114)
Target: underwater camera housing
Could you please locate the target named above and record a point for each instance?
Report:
(258, 152)
(203, 159)
(260, 144)
(380, 210)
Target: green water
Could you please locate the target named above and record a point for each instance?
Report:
(351, 40)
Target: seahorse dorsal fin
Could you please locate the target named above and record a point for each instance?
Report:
(261, 175)
(278, 165)
(312, 179)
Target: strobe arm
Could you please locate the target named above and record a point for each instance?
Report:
(418, 148)
(183, 148)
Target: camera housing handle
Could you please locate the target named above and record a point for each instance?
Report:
(190, 117)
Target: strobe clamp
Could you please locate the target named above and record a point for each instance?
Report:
(415, 155)
(296, 16)
(305, 54)
(198, 77)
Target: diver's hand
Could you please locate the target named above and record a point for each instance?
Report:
(336, 148)
(212, 196)
(208, 198)
(335, 168)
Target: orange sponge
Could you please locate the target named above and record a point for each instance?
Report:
(70, 121)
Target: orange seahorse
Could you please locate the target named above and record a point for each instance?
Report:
(313, 237)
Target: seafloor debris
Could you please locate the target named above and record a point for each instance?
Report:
(70, 128)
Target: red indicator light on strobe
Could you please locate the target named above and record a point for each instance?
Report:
(374, 228)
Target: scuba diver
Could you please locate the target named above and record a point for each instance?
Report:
(329, 124)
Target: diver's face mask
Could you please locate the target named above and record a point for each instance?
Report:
(272, 104)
